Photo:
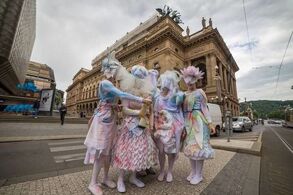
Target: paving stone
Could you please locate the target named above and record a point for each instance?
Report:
(76, 183)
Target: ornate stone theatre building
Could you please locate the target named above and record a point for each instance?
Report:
(162, 44)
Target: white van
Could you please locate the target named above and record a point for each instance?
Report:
(216, 115)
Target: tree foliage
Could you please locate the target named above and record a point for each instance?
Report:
(267, 108)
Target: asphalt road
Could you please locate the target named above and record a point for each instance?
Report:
(277, 161)
(39, 159)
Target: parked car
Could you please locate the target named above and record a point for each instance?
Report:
(274, 122)
(216, 115)
(241, 123)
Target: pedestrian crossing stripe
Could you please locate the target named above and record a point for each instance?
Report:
(67, 146)
(66, 142)
(69, 157)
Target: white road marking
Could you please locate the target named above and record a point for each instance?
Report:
(69, 157)
(67, 148)
(66, 142)
(288, 146)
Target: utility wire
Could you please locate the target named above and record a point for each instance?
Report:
(278, 77)
(246, 25)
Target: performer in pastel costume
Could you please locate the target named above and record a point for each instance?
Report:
(165, 132)
(102, 128)
(169, 99)
(198, 125)
(135, 149)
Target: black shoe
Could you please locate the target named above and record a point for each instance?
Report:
(141, 174)
(150, 171)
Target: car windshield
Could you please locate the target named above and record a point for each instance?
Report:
(237, 119)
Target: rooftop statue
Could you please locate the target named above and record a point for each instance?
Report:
(174, 14)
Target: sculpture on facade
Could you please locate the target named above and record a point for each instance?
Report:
(187, 31)
(203, 22)
(210, 22)
(174, 14)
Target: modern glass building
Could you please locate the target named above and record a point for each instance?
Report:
(17, 36)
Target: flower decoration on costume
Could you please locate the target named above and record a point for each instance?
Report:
(110, 65)
(139, 71)
(191, 74)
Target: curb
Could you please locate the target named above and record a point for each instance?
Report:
(238, 150)
(38, 138)
(254, 150)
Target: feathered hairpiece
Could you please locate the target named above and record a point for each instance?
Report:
(139, 71)
(191, 74)
(110, 62)
(169, 79)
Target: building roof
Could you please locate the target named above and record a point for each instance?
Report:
(81, 70)
(137, 32)
(39, 70)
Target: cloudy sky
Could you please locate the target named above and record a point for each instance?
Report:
(70, 33)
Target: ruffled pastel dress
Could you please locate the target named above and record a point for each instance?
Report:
(103, 129)
(134, 150)
(173, 104)
(197, 117)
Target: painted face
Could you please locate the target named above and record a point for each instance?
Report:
(189, 80)
(110, 72)
(165, 91)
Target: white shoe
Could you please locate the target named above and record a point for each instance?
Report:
(136, 182)
(169, 177)
(121, 187)
(109, 184)
(190, 176)
(161, 176)
(95, 189)
(196, 180)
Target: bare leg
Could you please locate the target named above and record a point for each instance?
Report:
(162, 160)
(135, 181)
(193, 169)
(93, 187)
(120, 182)
(106, 179)
(98, 164)
(198, 177)
(178, 137)
(171, 160)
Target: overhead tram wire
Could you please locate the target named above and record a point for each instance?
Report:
(246, 25)
(278, 77)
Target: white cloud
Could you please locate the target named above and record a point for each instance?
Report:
(70, 33)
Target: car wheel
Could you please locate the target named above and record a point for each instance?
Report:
(250, 129)
(242, 129)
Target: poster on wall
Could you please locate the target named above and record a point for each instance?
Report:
(46, 100)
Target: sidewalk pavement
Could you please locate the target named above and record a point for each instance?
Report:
(76, 183)
(238, 145)
(11, 132)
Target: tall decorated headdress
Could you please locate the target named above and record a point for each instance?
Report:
(144, 81)
(110, 65)
(139, 71)
(169, 80)
(191, 74)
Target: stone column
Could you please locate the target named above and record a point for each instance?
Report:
(225, 79)
(221, 75)
(209, 71)
(232, 85)
(213, 64)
